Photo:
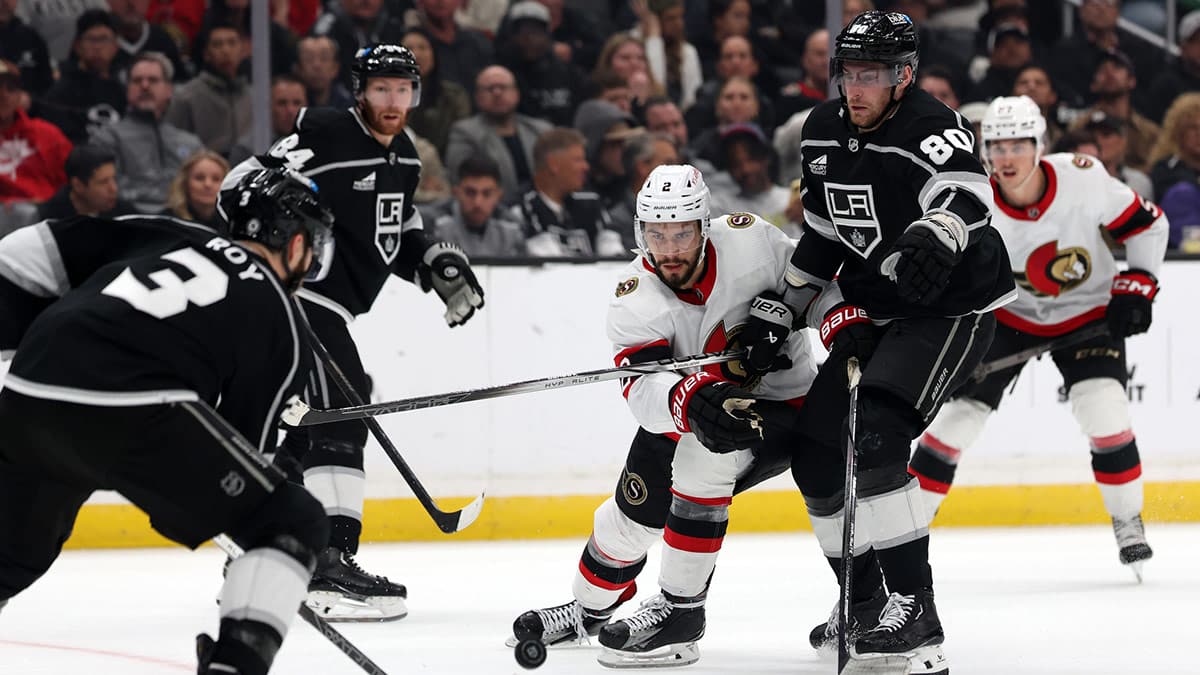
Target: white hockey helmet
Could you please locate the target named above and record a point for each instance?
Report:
(1012, 117)
(673, 193)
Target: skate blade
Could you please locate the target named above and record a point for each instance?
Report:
(1136, 568)
(667, 656)
(335, 607)
(869, 664)
(927, 660)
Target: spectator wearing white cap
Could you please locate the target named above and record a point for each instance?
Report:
(1182, 75)
(550, 89)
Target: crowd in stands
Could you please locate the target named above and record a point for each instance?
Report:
(539, 119)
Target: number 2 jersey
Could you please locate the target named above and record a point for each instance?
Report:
(143, 311)
(1059, 249)
(649, 321)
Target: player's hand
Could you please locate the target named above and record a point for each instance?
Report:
(766, 333)
(847, 331)
(720, 414)
(1129, 310)
(446, 270)
(923, 257)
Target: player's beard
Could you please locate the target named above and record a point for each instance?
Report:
(375, 119)
(677, 278)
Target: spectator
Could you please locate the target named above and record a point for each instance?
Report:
(54, 21)
(497, 131)
(1079, 142)
(21, 44)
(1075, 59)
(939, 83)
(481, 15)
(288, 98)
(1112, 86)
(355, 24)
(1176, 156)
(671, 59)
(624, 55)
(1181, 204)
(317, 67)
(664, 117)
(737, 103)
(433, 185)
(91, 188)
(87, 96)
(852, 8)
(814, 88)
(560, 220)
(1111, 136)
(442, 102)
(236, 13)
(194, 189)
(606, 127)
(181, 20)
(750, 161)
(941, 48)
(136, 35)
(576, 38)
(611, 87)
(460, 52)
(641, 154)
(550, 89)
(737, 60)
(215, 105)
(726, 18)
(1034, 81)
(1182, 75)
(471, 219)
(1009, 50)
(148, 150)
(32, 151)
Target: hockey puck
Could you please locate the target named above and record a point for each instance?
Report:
(530, 654)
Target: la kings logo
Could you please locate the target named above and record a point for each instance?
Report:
(852, 210)
(389, 218)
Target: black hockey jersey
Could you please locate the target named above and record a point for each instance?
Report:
(861, 191)
(368, 187)
(145, 310)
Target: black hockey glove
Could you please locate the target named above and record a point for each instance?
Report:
(445, 269)
(766, 333)
(1129, 310)
(847, 331)
(721, 415)
(923, 257)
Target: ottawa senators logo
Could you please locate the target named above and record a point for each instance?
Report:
(740, 221)
(720, 340)
(1082, 161)
(626, 287)
(633, 487)
(1050, 272)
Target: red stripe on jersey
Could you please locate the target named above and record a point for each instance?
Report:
(1119, 478)
(601, 583)
(704, 501)
(1114, 441)
(928, 484)
(682, 542)
(946, 451)
(622, 359)
(1033, 211)
(1053, 329)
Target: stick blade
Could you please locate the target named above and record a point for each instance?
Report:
(461, 519)
(884, 665)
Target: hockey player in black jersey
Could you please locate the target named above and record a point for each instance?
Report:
(897, 206)
(154, 358)
(367, 170)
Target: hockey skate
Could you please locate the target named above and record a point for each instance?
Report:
(863, 615)
(565, 623)
(1131, 538)
(663, 632)
(908, 627)
(341, 591)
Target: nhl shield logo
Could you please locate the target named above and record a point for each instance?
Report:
(389, 219)
(853, 144)
(852, 210)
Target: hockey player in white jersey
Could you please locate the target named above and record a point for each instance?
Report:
(703, 436)
(1055, 214)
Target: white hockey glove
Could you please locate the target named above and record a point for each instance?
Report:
(445, 269)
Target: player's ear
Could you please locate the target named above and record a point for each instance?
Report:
(297, 250)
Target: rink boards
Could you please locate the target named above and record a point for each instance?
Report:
(547, 459)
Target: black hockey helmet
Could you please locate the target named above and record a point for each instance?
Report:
(889, 38)
(270, 206)
(385, 60)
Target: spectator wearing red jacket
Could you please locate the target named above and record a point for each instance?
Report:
(32, 151)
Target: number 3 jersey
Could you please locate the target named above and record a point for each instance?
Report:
(143, 311)
(649, 321)
(1059, 249)
(861, 191)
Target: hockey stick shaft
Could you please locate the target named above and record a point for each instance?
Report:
(1024, 355)
(300, 415)
(446, 522)
(850, 508)
(231, 549)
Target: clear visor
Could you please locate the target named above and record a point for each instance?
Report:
(391, 93)
(322, 258)
(1010, 149)
(666, 241)
(866, 74)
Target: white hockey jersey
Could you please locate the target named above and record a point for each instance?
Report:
(648, 321)
(1062, 262)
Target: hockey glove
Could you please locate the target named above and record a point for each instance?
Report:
(766, 333)
(445, 269)
(923, 257)
(721, 415)
(847, 331)
(1128, 311)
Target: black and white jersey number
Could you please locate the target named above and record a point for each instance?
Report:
(207, 284)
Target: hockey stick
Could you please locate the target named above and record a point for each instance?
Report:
(448, 522)
(1024, 355)
(298, 414)
(851, 506)
(330, 633)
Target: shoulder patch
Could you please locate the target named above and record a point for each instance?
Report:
(628, 286)
(1082, 161)
(740, 220)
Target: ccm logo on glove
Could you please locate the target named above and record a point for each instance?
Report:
(1135, 283)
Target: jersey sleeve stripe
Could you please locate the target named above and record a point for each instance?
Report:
(1134, 219)
(286, 385)
(651, 351)
(414, 222)
(343, 165)
(888, 149)
(937, 184)
(817, 143)
(103, 399)
(30, 259)
(822, 226)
